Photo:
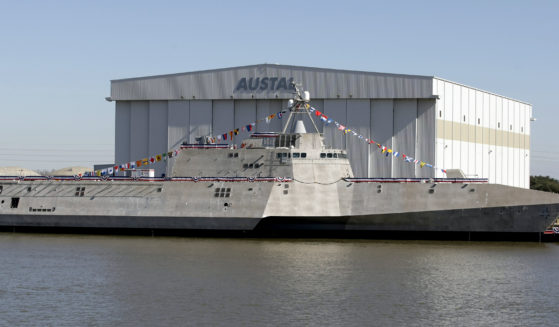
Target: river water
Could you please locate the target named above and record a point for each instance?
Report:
(82, 280)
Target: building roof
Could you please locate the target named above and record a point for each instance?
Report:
(271, 81)
(70, 171)
(17, 171)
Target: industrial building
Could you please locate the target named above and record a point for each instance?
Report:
(445, 123)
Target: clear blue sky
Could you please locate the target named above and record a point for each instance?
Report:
(57, 58)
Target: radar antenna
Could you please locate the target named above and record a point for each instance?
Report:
(299, 105)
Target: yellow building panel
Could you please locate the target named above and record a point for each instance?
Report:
(472, 132)
(448, 130)
(464, 131)
(499, 138)
(482, 135)
(456, 131)
(492, 136)
(479, 135)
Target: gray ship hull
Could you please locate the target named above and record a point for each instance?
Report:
(517, 221)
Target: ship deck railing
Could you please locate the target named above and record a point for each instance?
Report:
(238, 179)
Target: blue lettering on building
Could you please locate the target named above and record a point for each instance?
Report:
(257, 84)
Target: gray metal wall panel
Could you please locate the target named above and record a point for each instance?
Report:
(158, 133)
(337, 110)
(200, 119)
(223, 117)
(358, 117)
(122, 132)
(405, 115)
(178, 123)
(265, 108)
(245, 112)
(322, 83)
(139, 130)
(382, 123)
(425, 142)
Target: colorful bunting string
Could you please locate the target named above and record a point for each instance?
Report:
(164, 156)
(229, 136)
(384, 150)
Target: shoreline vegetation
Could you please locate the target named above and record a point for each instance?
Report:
(544, 183)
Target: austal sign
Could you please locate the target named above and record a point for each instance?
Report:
(259, 84)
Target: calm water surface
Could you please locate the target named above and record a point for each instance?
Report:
(62, 280)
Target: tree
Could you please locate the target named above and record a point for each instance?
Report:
(544, 183)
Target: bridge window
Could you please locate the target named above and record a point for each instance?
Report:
(296, 155)
(285, 141)
(323, 155)
(303, 155)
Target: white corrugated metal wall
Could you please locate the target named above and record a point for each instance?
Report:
(146, 128)
(483, 134)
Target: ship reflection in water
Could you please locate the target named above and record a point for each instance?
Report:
(63, 280)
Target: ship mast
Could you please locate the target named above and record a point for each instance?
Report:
(299, 105)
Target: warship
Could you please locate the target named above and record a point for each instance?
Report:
(273, 183)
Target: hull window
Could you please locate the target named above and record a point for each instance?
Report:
(80, 191)
(222, 192)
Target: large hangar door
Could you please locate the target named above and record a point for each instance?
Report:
(382, 124)
(158, 136)
(223, 118)
(178, 118)
(265, 108)
(122, 132)
(200, 119)
(425, 142)
(245, 112)
(358, 118)
(405, 114)
(335, 109)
